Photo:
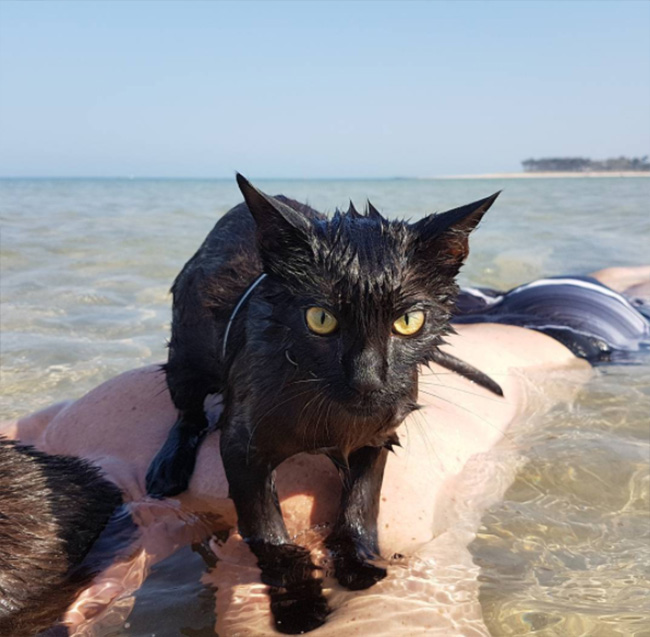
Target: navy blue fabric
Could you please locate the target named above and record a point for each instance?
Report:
(593, 321)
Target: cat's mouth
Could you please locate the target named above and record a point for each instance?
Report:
(379, 408)
(369, 405)
(363, 409)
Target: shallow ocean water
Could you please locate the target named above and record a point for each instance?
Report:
(85, 270)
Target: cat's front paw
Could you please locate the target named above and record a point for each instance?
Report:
(298, 608)
(352, 562)
(297, 601)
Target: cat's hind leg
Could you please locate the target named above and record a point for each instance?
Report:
(170, 471)
(192, 374)
(193, 371)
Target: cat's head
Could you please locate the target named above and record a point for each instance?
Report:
(366, 300)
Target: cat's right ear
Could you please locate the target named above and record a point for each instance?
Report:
(280, 229)
(442, 239)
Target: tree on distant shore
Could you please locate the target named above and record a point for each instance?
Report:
(583, 164)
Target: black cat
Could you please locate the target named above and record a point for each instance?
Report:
(313, 329)
(52, 510)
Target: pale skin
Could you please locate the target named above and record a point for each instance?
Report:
(434, 491)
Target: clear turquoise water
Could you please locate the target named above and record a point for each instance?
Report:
(85, 270)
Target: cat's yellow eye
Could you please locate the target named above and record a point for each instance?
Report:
(320, 321)
(409, 323)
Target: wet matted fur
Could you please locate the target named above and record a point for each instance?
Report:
(52, 509)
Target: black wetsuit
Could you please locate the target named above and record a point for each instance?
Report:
(593, 321)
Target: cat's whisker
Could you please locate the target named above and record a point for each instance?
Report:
(291, 361)
(306, 380)
(288, 399)
(327, 417)
(421, 423)
(325, 412)
(501, 431)
(304, 410)
(308, 403)
(462, 391)
(500, 399)
(312, 418)
(319, 411)
(486, 371)
(469, 411)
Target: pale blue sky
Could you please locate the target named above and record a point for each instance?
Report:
(318, 89)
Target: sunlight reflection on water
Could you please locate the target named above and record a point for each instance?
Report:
(567, 552)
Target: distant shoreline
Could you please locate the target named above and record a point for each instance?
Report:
(520, 175)
(551, 175)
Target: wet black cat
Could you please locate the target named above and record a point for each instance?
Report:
(313, 329)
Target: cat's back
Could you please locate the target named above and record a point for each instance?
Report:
(227, 261)
(235, 232)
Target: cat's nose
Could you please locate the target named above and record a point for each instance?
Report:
(366, 386)
(366, 372)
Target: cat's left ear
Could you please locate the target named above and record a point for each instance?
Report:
(444, 237)
(281, 230)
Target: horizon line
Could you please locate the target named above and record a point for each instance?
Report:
(184, 177)
(504, 175)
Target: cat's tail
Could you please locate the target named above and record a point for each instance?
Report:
(52, 510)
(454, 364)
